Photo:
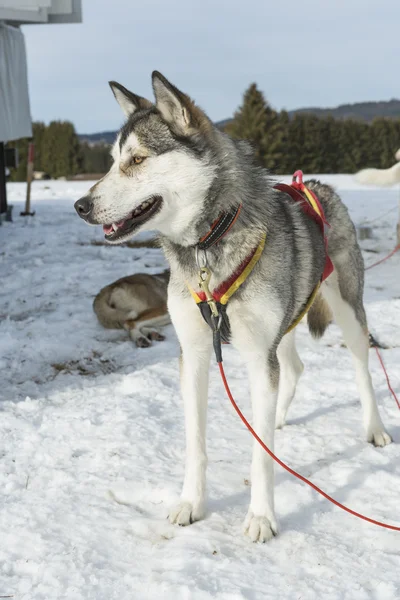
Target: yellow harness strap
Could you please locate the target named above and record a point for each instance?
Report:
(311, 200)
(305, 309)
(223, 298)
(245, 273)
(194, 294)
(311, 299)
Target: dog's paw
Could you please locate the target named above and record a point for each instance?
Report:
(142, 342)
(259, 529)
(379, 438)
(185, 514)
(155, 336)
(280, 421)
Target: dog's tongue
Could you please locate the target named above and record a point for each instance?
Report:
(110, 228)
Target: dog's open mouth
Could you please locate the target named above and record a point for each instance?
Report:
(140, 215)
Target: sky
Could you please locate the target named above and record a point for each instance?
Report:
(307, 53)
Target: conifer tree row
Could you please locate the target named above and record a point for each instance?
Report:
(59, 152)
(313, 144)
(282, 144)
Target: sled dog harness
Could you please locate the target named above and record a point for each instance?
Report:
(313, 208)
(212, 305)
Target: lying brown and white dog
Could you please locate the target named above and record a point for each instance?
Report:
(138, 304)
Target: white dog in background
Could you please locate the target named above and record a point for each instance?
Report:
(380, 177)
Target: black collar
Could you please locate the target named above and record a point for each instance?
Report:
(219, 228)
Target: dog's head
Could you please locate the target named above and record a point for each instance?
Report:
(163, 167)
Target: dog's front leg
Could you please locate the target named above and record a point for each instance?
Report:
(257, 346)
(260, 523)
(196, 342)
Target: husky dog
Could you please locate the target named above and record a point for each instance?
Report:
(174, 171)
(138, 304)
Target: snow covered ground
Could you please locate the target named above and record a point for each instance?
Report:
(92, 439)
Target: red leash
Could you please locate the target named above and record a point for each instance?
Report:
(387, 378)
(291, 471)
(396, 249)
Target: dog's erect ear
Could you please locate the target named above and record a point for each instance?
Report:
(128, 101)
(177, 109)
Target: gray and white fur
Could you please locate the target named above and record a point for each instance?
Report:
(174, 171)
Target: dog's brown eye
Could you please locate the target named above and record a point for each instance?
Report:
(138, 159)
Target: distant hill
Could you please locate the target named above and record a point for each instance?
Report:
(360, 111)
(104, 137)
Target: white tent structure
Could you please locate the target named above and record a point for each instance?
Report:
(15, 118)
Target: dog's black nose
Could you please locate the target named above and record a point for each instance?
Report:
(84, 206)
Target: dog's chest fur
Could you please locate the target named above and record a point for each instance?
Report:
(288, 270)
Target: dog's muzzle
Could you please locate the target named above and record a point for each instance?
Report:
(84, 207)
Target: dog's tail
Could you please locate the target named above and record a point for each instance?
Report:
(319, 317)
(109, 316)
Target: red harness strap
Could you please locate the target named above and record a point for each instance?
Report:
(312, 207)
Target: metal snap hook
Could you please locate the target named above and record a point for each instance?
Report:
(204, 263)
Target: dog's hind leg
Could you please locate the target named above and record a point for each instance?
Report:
(349, 314)
(195, 339)
(143, 329)
(291, 369)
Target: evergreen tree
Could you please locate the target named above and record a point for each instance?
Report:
(352, 146)
(295, 146)
(58, 151)
(19, 174)
(96, 158)
(251, 121)
(327, 143)
(312, 144)
(62, 154)
(38, 134)
(385, 140)
(274, 140)
(282, 154)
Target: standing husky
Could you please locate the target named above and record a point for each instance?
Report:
(174, 171)
(138, 304)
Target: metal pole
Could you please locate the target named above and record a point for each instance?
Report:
(398, 222)
(397, 157)
(29, 177)
(3, 191)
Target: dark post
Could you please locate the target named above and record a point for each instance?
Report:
(29, 176)
(3, 193)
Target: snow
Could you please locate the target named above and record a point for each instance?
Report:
(92, 436)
